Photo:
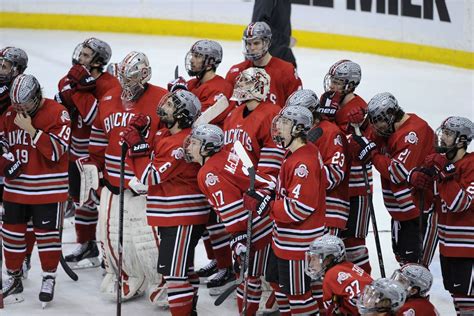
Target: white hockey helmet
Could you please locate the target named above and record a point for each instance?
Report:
(206, 54)
(344, 73)
(181, 107)
(252, 84)
(25, 94)
(134, 72)
(13, 61)
(324, 253)
(413, 275)
(256, 31)
(381, 296)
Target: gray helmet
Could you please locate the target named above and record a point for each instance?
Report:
(185, 105)
(413, 275)
(25, 94)
(211, 137)
(76, 53)
(211, 51)
(304, 97)
(345, 72)
(134, 72)
(461, 130)
(382, 295)
(383, 107)
(301, 120)
(320, 250)
(102, 50)
(257, 30)
(18, 59)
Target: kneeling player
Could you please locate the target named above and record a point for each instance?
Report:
(343, 281)
(383, 297)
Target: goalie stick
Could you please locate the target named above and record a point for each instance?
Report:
(120, 228)
(213, 111)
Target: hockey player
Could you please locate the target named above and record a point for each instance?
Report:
(284, 78)
(338, 101)
(383, 297)
(174, 203)
(400, 144)
(224, 183)
(129, 105)
(80, 90)
(13, 62)
(37, 131)
(298, 211)
(343, 281)
(417, 280)
(201, 63)
(453, 172)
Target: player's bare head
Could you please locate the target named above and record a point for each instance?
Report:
(256, 40)
(13, 62)
(25, 94)
(344, 76)
(306, 98)
(383, 113)
(381, 296)
(134, 72)
(324, 253)
(252, 84)
(291, 123)
(92, 53)
(416, 279)
(179, 107)
(204, 141)
(204, 55)
(455, 133)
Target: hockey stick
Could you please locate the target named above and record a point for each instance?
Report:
(176, 72)
(420, 227)
(120, 229)
(213, 111)
(224, 295)
(1, 263)
(62, 261)
(372, 212)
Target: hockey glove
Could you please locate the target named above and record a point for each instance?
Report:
(441, 165)
(238, 244)
(10, 167)
(65, 98)
(356, 116)
(4, 98)
(137, 145)
(421, 178)
(330, 102)
(258, 202)
(176, 84)
(141, 122)
(81, 78)
(366, 148)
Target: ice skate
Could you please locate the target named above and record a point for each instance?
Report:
(47, 288)
(223, 279)
(208, 270)
(85, 256)
(13, 288)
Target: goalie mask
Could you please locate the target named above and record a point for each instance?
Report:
(290, 123)
(454, 133)
(13, 62)
(381, 296)
(414, 276)
(383, 113)
(252, 84)
(202, 55)
(134, 72)
(179, 107)
(324, 253)
(344, 76)
(25, 94)
(204, 141)
(94, 53)
(256, 40)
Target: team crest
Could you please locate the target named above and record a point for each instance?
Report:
(411, 138)
(211, 179)
(338, 140)
(302, 171)
(342, 276)
(178, 153)
(235, 69)
(65, 116)
(410, 312)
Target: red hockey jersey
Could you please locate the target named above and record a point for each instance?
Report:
(253, 129)
(333, 146)
(113, 117)
(342, 285)
(223, 181)
(284, 78)
(417, 306)
(87, 106)
(44, 177)
(208, 93)
(404, 150)
(173, 196)
(299, 209)
(456, 211)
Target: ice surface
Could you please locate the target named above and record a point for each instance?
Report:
(432, 91)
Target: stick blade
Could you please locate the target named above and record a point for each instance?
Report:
(242, 153)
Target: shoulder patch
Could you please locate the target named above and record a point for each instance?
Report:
(342, 276)
(302, 171)
(65, 116)
(235, 69)
(411, 138)
(410, 312)
(107, 97)
(338, 140)
(211, 179)
(178, 153)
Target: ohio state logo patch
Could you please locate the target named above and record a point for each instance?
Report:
(342, 276)
(338, 140)
(65, 116)
(211, 179)
(302, 171)
(410, 312)
(178, 153)
(411, 138)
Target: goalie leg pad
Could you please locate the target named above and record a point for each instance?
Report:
(89, 180)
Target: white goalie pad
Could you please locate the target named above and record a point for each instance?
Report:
(212, 112)
(89, 179)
